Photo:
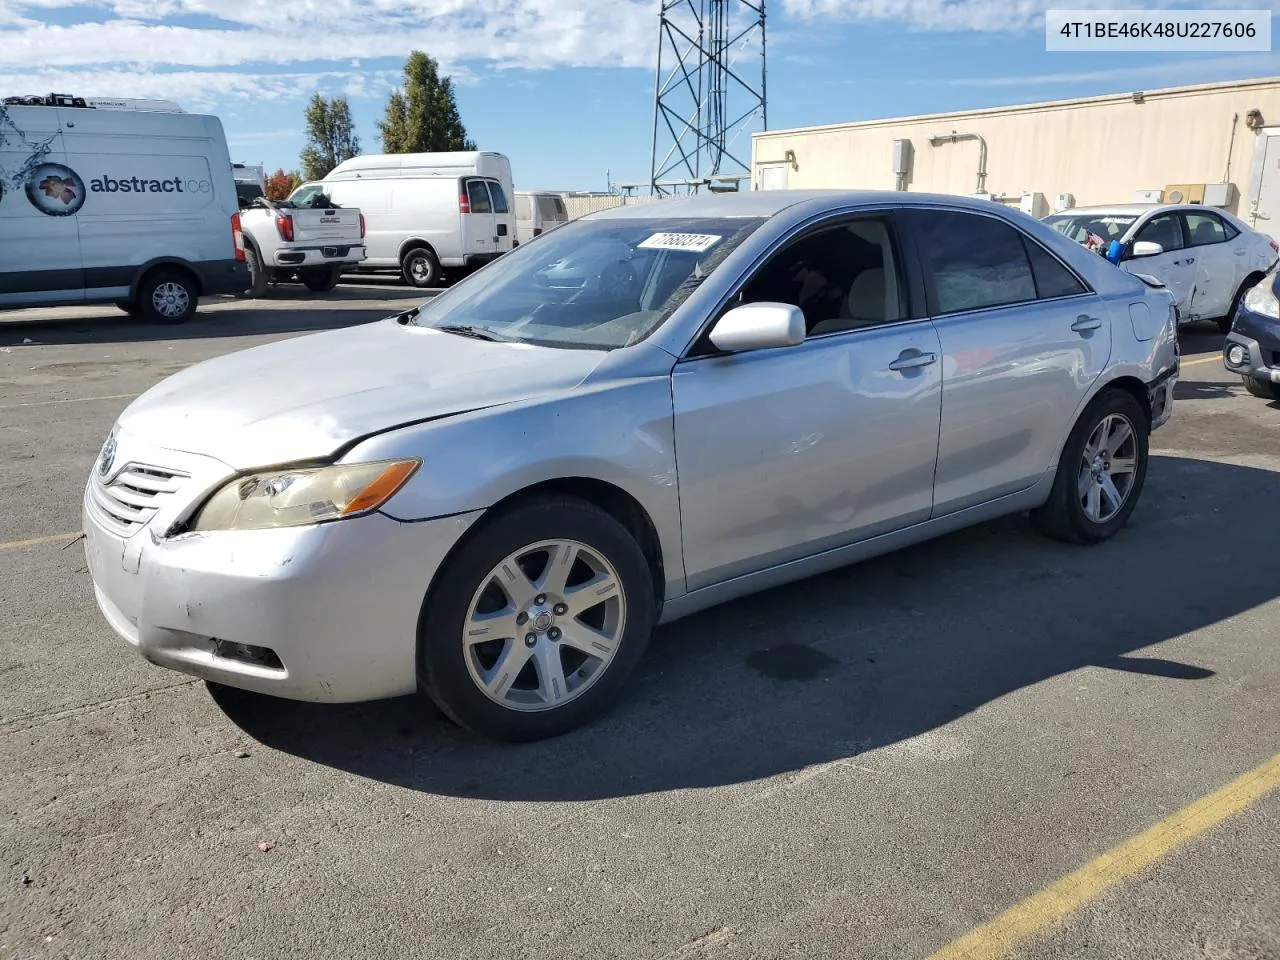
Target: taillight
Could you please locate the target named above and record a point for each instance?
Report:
(1275, 246)
(537, 231)
(464, 203)
(362, 226)
(237, 236)
(284, 226)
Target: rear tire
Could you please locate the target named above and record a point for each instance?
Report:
(420, 268)
(453, 666)
(1225, 323)
(320, 279)
(1080, 508)
(1262, 389)
(168, 296)
(259, 278)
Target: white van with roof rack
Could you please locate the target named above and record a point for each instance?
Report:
(425, 213)
(130, 202)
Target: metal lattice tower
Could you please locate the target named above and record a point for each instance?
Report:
(710, 87)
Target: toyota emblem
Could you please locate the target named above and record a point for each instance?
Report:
(107, 457)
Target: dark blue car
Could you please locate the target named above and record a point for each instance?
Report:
(1252, 347)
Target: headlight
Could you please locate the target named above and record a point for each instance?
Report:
(1261, 300)
(293, 498)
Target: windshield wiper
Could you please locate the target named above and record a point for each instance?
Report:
(466, 330)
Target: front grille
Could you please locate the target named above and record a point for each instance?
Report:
(134, 495)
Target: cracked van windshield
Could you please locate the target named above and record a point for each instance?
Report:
(598, 284)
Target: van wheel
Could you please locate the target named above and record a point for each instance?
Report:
(167, 296)
(420, 268)
(258, 277)
(320, 279)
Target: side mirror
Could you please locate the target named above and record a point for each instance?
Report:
(759, 326)
(1146, 248)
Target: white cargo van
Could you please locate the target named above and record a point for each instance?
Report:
(124, 201)
(426, 213)
(538, 211)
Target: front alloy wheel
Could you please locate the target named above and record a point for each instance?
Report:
(535, 622)
(544, 625)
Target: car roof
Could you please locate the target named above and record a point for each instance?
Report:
(1119, 209)
(768, 203)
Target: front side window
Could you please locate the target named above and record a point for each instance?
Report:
(975, 261)
(841, 277)
(1164, 230)
(589, 284)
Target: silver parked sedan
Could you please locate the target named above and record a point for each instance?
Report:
(657, 408)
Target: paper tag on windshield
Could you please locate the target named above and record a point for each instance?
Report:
(694, 242)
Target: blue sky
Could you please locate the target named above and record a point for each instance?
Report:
(564, 87)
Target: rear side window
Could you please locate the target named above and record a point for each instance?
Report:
(499, 197)
(1206, 229)
(478, 197)
(551, 208)
(976, 261)
(1052, 278)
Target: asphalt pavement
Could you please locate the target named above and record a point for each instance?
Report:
(872, 763)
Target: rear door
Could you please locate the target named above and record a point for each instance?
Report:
(479, 222)
(1023, 337)
(40, 194)
(504, 219)
(1222, 262)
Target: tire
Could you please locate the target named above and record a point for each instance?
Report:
(259, 278)
(1262, 389)
(420, 268)
(320, 279)
(128, 307)
(451, 669)
(1064, 516)
(167, 296)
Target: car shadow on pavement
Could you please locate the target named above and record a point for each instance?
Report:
(852, 661)
(341, 307)
(1206, 390)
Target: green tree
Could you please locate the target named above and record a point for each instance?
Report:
(422, 117)
(331, 136)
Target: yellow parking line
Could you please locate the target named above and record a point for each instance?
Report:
(1192, 363)
(999, 936)
(36, 541)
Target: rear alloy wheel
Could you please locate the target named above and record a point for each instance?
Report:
(537, 622)
(1101, 472)
(420, 268)
(167, 296)
(1262, 389)
(320, 279)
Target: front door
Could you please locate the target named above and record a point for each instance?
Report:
(787, 452)
(479, 222)
(39, 197)
(1176, 267)
(1022, 340)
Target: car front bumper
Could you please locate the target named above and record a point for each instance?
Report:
(329, 613)
(1258, 358)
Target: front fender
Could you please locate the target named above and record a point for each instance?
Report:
(620, 433)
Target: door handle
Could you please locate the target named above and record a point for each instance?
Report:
(905, 362)
(1085, 322)
(1189, 260)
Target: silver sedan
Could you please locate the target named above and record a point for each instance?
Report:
(495, 497)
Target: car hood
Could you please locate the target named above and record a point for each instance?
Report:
(307, 397)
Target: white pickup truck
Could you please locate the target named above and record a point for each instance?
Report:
(315, 242)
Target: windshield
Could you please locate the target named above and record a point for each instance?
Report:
(1108, 226)
(597, 284)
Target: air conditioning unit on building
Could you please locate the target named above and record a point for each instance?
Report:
(1065, 201)
(1148, 196)
(1219, 194)
(1184, 193)
(1034, 204)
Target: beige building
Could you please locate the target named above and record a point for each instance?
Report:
(1213, 143)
